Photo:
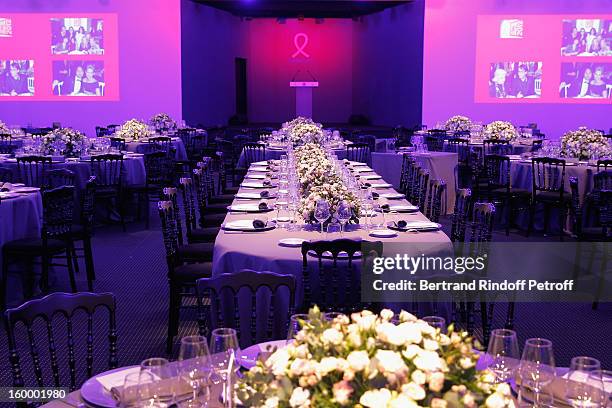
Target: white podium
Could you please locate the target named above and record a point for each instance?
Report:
(303, 97)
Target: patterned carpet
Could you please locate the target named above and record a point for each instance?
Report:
(132, 265)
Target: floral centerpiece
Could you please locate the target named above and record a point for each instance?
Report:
(500, 130)
(303, 130)
(368, 360)
(163, 121)
(4, 130)
(133, 129)
(318, 181)
(585, 144)
(458, 123)
(64, 141)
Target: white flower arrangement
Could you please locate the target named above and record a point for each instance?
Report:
(458, 123)
(585, 144)
(133, 129)
(4, 130)
(366, 360)
(500, 130)
(303, 130)
(163, 121)
(65, 141)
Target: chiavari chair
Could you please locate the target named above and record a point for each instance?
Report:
(31, 169)
(548, 189)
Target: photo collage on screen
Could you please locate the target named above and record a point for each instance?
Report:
(74, 42)
(17, 78)
(586, 49)
(517, 79)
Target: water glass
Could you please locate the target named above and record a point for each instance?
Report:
(157, 369)
(503, 354)
(296, 323)
(131, 393)
(436, 322)
(224, 348)
(283, 215)
(602, 379)
(194, 368)
(582, 389)
(537, 369)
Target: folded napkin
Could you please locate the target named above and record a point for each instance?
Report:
(366, 184)
(401, 223)
(165, 389)
(259, 224)
(264, 194)
(556, 388)
(385, 207)
(6, 187)
(263, 206)
(375, 195)
(267, 182)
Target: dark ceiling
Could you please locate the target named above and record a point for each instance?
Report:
(301, 8)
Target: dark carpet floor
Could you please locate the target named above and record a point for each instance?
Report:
(132, 265)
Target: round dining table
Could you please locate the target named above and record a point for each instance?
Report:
(141, 146)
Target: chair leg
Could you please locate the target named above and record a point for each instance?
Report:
(147, 211)
(5, 267)
(44, 276)
(561, 222)
(173, 316)
(532, 206)
(69, 264)
(89, 263)
(485, 322)
(75, 259)
(510, 317)
(510, 207)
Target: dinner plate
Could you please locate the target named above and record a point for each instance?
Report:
(357, 164)
(259, 169)
(371, 177)
(381, 185)
(8, 195)
(404, 208)
(26, 189)
(392, 196)
(94, 393)
(246, 226)
(362, 169)
(251, 184)
(260, 163)
(248, 357)
(291, 242)
(252, 196)
(383, 233)
(250, 208)
(341, 255)
(255, 176)
(415, 226)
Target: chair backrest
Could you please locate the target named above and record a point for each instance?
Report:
(494, 146)
(359, 152)
(47, 309)
(343, 291)
(170, 194)
(497, 171)
(435, 143)
(406, 174)
(481, 228)
(370, 140)
(602, 180)
(255, 323)
(32, 169)
(160, 144)
(169, 227)
(461, 214)
(604, 164)
(413, 182)
(575, 207)
(5, 138)
(58, 177)
(108, 169)
(461, 147)
(437, 188)
(159, 169)
(7, 175)
(58, 212)
(421, 190)
(187, 187)
(253, 152)
(536, 144)
(117, 143)
(102, 131)
(88, 203)
(605, 213)
(548, 174)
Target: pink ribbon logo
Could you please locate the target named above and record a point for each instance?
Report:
(300, 41)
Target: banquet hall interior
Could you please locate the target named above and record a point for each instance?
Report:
(266, 203)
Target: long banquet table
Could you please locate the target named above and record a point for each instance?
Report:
(441, 165)
(234, 251)
(274, 153)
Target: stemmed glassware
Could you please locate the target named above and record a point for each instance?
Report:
(503, 354)
(602, 379)
(321, 212)
(436, 322)
(296, 323)
(344, 214)
(194, 368)
(537, 369)
(157, 392)
(224, 348)
(583, 389)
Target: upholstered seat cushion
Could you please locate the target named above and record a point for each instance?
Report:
(192, 272)
(33, 246)
(198, 252)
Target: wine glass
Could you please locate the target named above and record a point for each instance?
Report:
(503, 354)
(331, 316)
(283, 215)
(581, 389)
(537, 367)
(194, 368)
(602, 379)
(131, 391)
(321, 212)
(344, 214)
(436, 322)
(155, 370)
(296, 323)
(224, 348)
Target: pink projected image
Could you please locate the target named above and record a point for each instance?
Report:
(78, 78)
(587, 38)
(586, 80)
(515, 79)
(77, 36)
(16, 78)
